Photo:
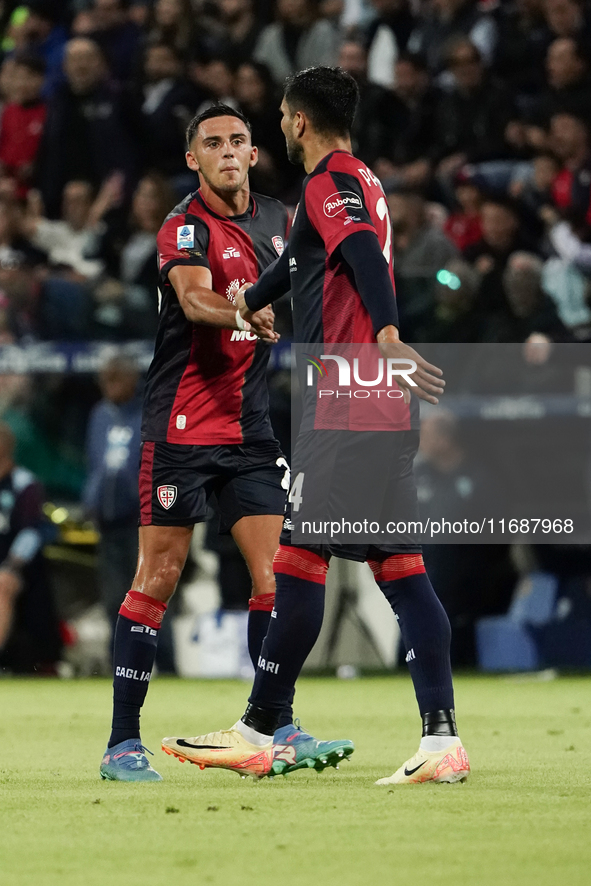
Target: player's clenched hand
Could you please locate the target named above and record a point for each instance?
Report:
(240, 302)
(428, 379)
(262, 322)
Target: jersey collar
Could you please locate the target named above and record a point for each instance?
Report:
(327, 157)
(249, 214)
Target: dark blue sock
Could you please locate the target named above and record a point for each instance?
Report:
(293, 631)
(133, 659)
(259, 617)
(426, 635)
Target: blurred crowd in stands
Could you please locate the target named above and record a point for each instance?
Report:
(476, 117)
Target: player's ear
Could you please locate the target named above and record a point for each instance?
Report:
(299, 124)
(254, 157)
(191, 162)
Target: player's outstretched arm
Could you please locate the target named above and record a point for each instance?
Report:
(361, 250)
(271, 285)
(201, 304)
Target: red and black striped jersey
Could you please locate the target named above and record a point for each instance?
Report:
(340, 196)
(207, 385)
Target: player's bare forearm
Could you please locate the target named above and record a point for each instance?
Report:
(429, 383)
(205, 306)
(211, 309)
(201, 304)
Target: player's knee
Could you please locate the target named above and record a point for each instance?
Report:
(263, 579)
(163, 580)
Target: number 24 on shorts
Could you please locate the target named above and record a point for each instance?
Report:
(295, 494)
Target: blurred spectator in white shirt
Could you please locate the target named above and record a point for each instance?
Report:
(71, 240)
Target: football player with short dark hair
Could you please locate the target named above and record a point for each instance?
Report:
(206, 429)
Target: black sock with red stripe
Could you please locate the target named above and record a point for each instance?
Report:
(259, 617)
(134, 651)
(424, 626)
(300, 577)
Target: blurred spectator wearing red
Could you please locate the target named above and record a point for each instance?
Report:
(23, 119)
(569, 136)
(464, 227)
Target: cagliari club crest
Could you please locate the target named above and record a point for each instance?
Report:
(279, 245)
(166, 496)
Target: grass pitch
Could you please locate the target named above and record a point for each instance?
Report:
(524, 817)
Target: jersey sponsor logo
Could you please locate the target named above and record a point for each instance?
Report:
(166, 496)
(339, 201)
(230, 252)
(242, 335)
(293, 265)
(181, 422)
(185, 237)
(278, 244)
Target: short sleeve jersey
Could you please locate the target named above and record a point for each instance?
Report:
(341, 195)
(207, 385)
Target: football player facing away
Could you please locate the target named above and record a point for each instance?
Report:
(205, 427)
(342, 286)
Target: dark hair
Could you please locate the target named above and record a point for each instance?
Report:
(34, 63)
(217, 110)
(328, 96)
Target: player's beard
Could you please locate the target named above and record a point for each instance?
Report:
(295, 152)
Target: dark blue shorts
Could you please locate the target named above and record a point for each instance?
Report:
(177, 482)
(332, 475)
